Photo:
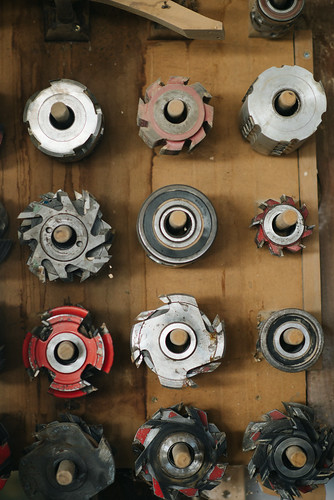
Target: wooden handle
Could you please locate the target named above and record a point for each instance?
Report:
(60, 112)
(178, 337)
(177, 219)
(293, 336)
(181, 455)
(65, 472)
(66, 350)
(175, 108)
(286, 100)
(173, 16)
(62, 234)
(286, 219)
(296, 456)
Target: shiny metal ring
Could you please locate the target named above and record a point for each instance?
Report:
(159, 242)
(78, 361)
(271, 232)
(165, 451)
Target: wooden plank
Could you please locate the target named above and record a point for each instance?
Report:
(235, 279)
(170, 14)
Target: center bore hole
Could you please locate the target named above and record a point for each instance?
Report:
(61, 116)
(64, 237)
(176, 111)
(284, 224)
(178, 341)
(65, 472)
(286, 103)
(66, 352)
(281, 4)
(292, 340)
(294, 457)
(181, 455)
(178, 223)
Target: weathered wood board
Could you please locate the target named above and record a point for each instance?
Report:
(235, 279)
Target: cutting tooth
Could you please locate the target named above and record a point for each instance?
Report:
(84, 276)
(304, 211)
(142, 119)
(178, 80)
(144, 315)
(87, 201)
(153, 89)
(78, 196)
(217, 324)
(260, 238)
(208, 118)
(201, 91)
(275, 250)
(197, 138)
(150, 137)
(190, 383)
(172, 148)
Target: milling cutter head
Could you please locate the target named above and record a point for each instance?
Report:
(177, 341)
(67, 238)
(178, 452)
(291, 340)
(293, 454)
(274, 18)
(176, 225)
(281, 225)
(174, 115)
(69, 348)
(69, 460)
(64, 121)
(281, 110)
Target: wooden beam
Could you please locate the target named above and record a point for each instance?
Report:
(173, 16)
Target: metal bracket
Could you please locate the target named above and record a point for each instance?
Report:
(66, 20)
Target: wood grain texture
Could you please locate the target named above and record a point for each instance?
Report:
(235, 279)
(113, 174)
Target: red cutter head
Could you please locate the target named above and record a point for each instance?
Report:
(155, 441)
(68, 346)
(174, 114)
(276, 238)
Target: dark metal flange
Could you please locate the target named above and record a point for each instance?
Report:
(291, 340)
(182, 245)
(278, 434)
(72, 440)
